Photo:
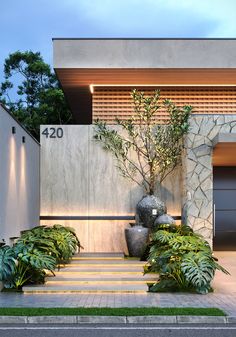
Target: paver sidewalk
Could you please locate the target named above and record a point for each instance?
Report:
(227, 302)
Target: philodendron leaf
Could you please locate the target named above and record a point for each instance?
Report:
(198, 269)
(163, 236)
(7, 263)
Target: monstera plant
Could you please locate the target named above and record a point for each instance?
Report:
(146, 149)
(182, 259)
(37, 251)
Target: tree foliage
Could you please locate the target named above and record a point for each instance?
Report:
(145, 150)
(31, 92)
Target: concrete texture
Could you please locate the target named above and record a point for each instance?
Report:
(144, 53)
(97, 276)
(42, 320)
(79, 178)
(19, 178)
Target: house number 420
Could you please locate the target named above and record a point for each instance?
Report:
(53, 132)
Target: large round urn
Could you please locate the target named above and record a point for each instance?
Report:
(148, 209)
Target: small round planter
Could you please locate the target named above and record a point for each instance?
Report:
(148, 209)
(164, 219)
(136, 238)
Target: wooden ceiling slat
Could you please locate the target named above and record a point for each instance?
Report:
(111, 102)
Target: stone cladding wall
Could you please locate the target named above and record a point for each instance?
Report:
(198, 170)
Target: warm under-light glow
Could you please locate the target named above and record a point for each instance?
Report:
(23, 185)
(92, 86)
(12, 187)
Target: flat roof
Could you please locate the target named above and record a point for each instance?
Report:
(144, 53)
(80, 63)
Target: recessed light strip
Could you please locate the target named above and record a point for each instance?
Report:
(92, 86)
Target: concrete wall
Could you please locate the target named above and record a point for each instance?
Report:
(19, 178)
(79, 178)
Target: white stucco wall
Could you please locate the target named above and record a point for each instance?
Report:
(19, 178)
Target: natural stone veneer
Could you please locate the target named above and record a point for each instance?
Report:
(198, 170)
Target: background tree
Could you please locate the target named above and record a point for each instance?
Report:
(31, 92)
(146, 151)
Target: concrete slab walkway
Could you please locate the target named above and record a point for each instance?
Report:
(224, 296)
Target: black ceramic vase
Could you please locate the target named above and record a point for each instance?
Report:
(148, 209)
(136, 239)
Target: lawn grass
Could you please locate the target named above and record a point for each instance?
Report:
(110, 311)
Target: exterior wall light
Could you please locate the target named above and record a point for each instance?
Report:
(13, 130)
(23, 139)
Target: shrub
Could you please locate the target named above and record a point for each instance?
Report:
(38, 250)
(183, 259)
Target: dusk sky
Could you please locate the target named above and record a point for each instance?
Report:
(31, 24)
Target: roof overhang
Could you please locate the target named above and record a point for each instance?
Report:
(224, 153)
(82, 63)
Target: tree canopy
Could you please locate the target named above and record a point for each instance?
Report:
(31, 92)
(146, 151)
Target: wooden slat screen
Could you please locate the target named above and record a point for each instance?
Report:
(112, 102)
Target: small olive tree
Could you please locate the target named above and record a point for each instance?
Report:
(145, 150)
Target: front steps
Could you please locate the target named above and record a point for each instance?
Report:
(97, 273)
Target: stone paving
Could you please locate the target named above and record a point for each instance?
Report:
(224, 296)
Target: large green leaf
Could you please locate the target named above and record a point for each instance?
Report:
(36, 259)
(199, 269)
(7, 263)
(163, 236)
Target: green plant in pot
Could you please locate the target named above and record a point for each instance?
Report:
(147, 150)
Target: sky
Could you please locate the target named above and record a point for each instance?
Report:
(31, 24)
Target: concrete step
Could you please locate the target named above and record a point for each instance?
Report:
(100, 275)
(96, 256)
(113, 288)
(101, 269)
(97, 273)
(108, 281)
(101, 263)
(105, 277)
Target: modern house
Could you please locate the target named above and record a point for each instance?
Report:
(79, 183)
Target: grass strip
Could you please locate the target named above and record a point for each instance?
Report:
(111, 311)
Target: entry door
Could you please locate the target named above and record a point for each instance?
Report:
(224, 193)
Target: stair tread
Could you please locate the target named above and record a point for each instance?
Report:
(100, 270)
(98, 273)
(95, 278)
(105, 262)
(133, 287)
(100, 254)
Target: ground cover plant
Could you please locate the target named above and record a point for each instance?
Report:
(183, 260)
(111, 311)
(36, 252)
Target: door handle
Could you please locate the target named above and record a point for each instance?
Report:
(214, 220)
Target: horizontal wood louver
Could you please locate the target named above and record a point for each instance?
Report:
(112, 102)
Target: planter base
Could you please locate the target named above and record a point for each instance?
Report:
(136, 238)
